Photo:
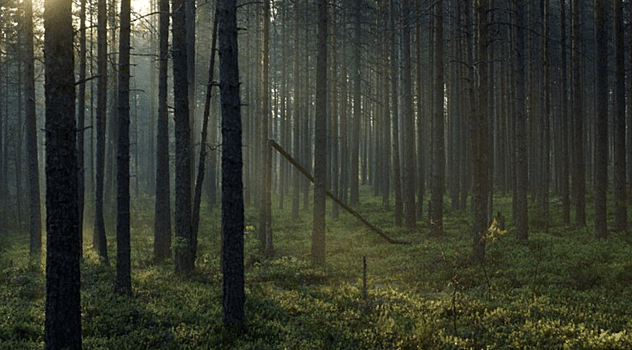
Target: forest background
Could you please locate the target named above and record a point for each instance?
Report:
(521, 108)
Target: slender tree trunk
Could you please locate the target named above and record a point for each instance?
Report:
(546, 156)
(354, 185)
(601, 122)
(232, 185)
(123, 264)
(296, 183)
(565, 154)
(265, 207)
(99, 239)
(35, 217)
(438, 169)
(397, 180)
(320, 138)
(184, 244)
(408, 125)
(62, 328)
(480, 132)
(197, 196)
(579, 167)
(620, 205)
(522, 170)
(81, 116)
(162, 212)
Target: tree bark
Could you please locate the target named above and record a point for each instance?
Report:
(184, 245)
(63, 252)
(438, 159)
(579, 167)
(162, 216)
(522, 167)
(320, 138)
(397, 180)
(35, 217)
(480, 146)
(123, 284)
(408, 125)
(232, 185)
(601, 123)
(620, 205)
(99, 238)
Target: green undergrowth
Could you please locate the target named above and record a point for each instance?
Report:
(558, 290)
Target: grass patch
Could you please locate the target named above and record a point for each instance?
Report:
(559, 290)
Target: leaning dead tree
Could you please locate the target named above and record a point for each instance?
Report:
(307, 175)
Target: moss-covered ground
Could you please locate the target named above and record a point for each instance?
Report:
(560, 290)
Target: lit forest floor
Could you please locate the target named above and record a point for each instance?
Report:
(561, 290)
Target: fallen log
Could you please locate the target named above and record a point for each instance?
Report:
(344, 206)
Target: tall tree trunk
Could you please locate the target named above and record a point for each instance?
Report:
(63, 252)
(81, 117)
(99, 239)
(601, 122)
(123, 259)
(408, 125)
(197, 195)
(522, 167)
(35, 217)
(565, 154)
(480, 134)
(438, 168)
(579, 167)
(296, 183)
(397, 180)
(265, 207)
(546, 156)
(620, 205)
(320, 137)
(232, 185)
(421, 108)
(354, 196)
(162, 211)
(184, 245)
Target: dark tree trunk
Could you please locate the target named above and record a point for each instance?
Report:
(397, 180)
(565, 154)
(35, 217)
(162, 212)
(197, 195)
(408, 125)
(579, 167)
(81, 117)
(354, 185)
(232, 184)
(620, 205)
(99, 238)
(438, 159)
(601, 122)
(320, 138)
(265, 152)
(522, 170)
(123, 264)
(480, 146)
(63, 251)
(184, 245)
(296, 183)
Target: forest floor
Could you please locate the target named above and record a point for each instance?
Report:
(560, 290)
